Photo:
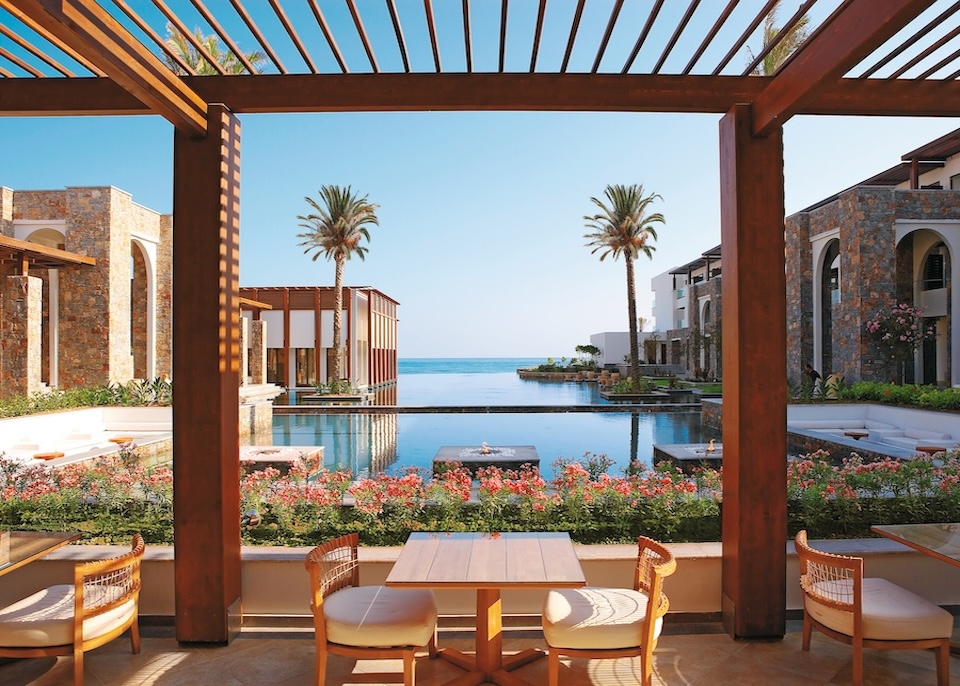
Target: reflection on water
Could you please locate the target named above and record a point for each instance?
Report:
(392, 442)
(364, 442)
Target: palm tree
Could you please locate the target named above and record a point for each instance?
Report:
(786, 47)
(335, 230)
(623, 228)
(178, 43)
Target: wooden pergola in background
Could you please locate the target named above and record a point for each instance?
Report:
(863, 57)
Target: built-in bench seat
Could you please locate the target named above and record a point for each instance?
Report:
(875, 431)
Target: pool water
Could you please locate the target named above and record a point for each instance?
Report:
(392, 442)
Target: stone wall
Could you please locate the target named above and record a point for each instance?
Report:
(103, 313)
(6, 211)
(20, 335)
(708, 332)
(138, 313)
(165, 297)
(874, 273)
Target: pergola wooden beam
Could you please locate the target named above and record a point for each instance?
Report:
(42, 256)
(266, 94)
(847, 37)
(87, 28)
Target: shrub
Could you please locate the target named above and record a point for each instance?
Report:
(109, 498)
(927, 397)
(132, 394)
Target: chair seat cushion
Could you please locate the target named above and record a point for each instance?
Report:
(593, 618)
(45, 619)
(380, 617)
(890, 612)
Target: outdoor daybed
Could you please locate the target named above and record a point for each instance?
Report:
(897, 427)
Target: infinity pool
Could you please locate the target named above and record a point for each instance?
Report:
(392, 442)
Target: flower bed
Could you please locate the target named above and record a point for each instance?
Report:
(109, 498)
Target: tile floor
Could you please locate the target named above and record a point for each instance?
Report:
(263, 657)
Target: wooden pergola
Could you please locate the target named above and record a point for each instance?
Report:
(864, 57)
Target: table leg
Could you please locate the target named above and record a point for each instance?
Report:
(490, 666)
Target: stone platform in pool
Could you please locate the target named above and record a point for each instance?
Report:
(473, 457)
(259, 457)
(689, 455)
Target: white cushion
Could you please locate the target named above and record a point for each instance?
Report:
(380, 617)
(847, 424)
(923, 434)
(890, 612)
(871, 424)
(595, 618)
(885, 432)
(46, 619)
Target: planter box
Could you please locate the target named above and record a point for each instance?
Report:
(274, 583)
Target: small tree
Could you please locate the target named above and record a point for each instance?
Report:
(899, 333)
(590, 350)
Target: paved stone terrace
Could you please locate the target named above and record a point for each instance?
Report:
(275, 658)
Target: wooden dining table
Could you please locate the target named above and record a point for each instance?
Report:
(489, 563)
(17, 548)
(941, 541)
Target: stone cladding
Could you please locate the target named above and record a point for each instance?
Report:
(6, 211)
(874, 273)
(20, 335)
(138, 314)
(710, 333)
(164, 321)
(257, 363)
(97, 311)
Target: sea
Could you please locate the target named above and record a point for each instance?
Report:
(392, 443)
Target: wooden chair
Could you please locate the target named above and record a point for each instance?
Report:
(365, 622)
(101, 604)
(593, 622)
(868, 613)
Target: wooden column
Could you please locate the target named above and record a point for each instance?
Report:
(754, 379)
(206, 319)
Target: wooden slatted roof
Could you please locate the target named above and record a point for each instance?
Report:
(111, 56)
(14, 251)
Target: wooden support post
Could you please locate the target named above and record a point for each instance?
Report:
(206, 318)
(754, 383)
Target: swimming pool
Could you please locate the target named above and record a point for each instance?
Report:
(391, 442)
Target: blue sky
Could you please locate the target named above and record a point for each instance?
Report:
(481, 214)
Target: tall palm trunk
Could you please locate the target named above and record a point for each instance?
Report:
(334, 372)
(632, 313)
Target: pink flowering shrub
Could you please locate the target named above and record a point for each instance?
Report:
(846, 499)
(899, 333)
(109, 498)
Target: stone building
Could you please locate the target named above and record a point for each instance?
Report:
(686, 312)
(888, 240)
(85, 297)
(849, 259)
(85, 289)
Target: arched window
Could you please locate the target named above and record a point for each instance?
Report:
(934, 271)
(829, 298)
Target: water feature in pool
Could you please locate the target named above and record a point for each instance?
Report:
(392, 442)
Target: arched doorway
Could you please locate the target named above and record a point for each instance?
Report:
(50, 319)
(933, 283)
(706, 324)
(829, 299)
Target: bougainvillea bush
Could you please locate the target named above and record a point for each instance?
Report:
(108, 498)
